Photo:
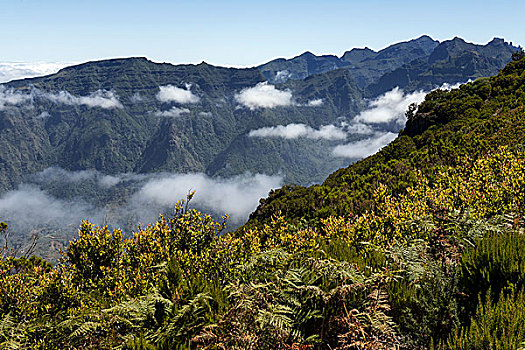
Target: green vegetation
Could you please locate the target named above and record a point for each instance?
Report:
(134, 139)
(427, 254)
(471, 121)
(210, 136)
(399, 275)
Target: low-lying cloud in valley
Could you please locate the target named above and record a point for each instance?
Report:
(61, 176)
(10, 97)
(282, 76)
(28, 208)
(170, 93)
(101, 98)
(294, 131)
(389, 107)
(237, 196)
(173, 112)
(141, 198)
(264, 95)
(315, 103)
(364, 148)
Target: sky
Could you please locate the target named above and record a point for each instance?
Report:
(239, 33)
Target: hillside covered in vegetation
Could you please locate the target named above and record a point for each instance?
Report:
(98, 140)
(470, 121)
(134, 115)
(420, 246)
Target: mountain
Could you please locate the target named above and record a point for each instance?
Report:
(452, 60)
(57, 126)
(300, 67)
(57, 121)
(470, 121)
(419, 246)
(119, 141)
(365, 64)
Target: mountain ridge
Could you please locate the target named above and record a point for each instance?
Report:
(123, 116)
(447, 125)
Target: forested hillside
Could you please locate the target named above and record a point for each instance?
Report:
(133, 115)
(419, 246)
(469, 121)
(98, 140)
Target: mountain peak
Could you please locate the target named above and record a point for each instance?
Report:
(306, 54)
(457, 39)
(358, 55)
(497, 41)
(424, 37)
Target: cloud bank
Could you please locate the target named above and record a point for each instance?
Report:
(237, 196)
(10, 97)
(390, 107)
(359, 128)
(170, 93)
(33, 206)
(364, 148)
(385, 109)
(61, 176)
(315, 103)
(264, 95)
(29, 207)
(448, 87)
(282, 76)
(15, 70)
(294, 131)
(101, 98)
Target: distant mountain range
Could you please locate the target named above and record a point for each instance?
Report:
(298, 119)
(145, 134)
(366, 65)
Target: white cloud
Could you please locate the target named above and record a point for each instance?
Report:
(315, 103)
(174, 112)
(55, 174)
(236, 196)
(29, 207)
(170, 93)
(100, 98)
(294, 131)
(17, 70)
(43, 115)
(282, 76)
(108, 181)
(389, 107)
(136, 98)
(205, 114)
(264, 95)
(10, 97)
(358, 128)
(447, 86)
(364, 148)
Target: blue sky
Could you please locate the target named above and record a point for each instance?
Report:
(237, 33)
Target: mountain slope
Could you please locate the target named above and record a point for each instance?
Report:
(140, 135)
(436, 266)
(452, 60)
(366, 65)
(469, 121)
(135, 116)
